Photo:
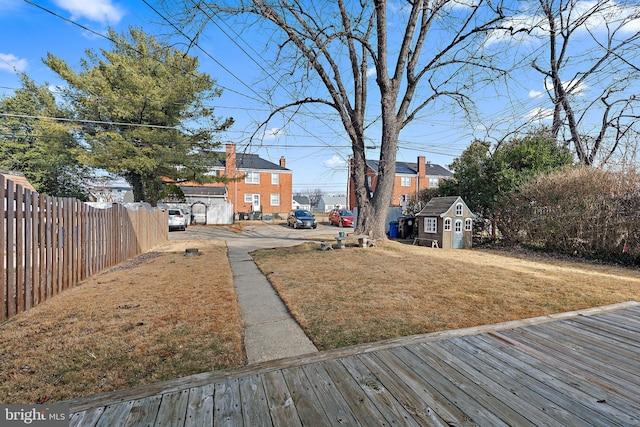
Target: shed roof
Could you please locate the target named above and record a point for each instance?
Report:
(439, 205)
(210, 191)
(409, 168)
(17, 178)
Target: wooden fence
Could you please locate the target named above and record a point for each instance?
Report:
(51, 244)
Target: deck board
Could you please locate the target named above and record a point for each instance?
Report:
(578, 368)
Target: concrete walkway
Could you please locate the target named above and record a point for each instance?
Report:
(270, 330)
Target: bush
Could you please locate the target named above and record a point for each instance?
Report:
(582, 211)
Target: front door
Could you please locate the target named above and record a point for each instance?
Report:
(256, 203)
(457, 235)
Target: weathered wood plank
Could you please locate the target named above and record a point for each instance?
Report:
(87, 418)
(491, 395)
(114, 414)
(143, 413)
(302, 392)
(173, 409)
(281, 405)
(19, 251)
(3, 251)
(602, 336)
(614, 353)
(227, 404)
(200, 406)
(451, 384)
(572, 362)
(380, 387)
(255, 407)
(362, 407)
(11, 254)
(411, 371)
(337, 410)
(544, 405)
(566, 383)
(583, 356)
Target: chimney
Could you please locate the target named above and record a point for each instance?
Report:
(230, 161)
(283, 162)
(422, 167)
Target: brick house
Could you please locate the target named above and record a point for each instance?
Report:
(409, 180)
(261, 186)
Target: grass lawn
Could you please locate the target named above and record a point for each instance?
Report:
(157, 317)
(352, 296)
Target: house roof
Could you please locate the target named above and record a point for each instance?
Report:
(303, 200)
(192, 190)
(18, 178)
(412, 168)
(439, 205)
(334, 200)
(249, 161)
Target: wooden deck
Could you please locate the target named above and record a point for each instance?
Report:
(573, 369)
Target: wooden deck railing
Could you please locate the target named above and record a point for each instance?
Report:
(51, 244)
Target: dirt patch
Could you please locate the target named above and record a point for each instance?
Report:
(159, 316)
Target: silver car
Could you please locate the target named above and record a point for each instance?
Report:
(177, 220)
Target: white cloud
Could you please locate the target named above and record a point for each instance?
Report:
(103, 11)
(10, 62)
(334, 162)
(371, 72)
(535, 94)
(271, 134)
(539, 114)
(576, 89)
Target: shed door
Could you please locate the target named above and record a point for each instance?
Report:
(199, 213)
(457, 235)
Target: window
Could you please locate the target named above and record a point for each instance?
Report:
(458, 226)
(459, 209)
(248, 198)
(468, 224)
(369, 180)
(434, 182)
(430, 225)
(447, 224)
(405, 181)
(252, 178)
(275, 178)
(275, 199)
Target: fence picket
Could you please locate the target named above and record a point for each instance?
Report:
(51, 244)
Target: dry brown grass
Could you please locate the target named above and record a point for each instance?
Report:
(160, 316)
(363, 295)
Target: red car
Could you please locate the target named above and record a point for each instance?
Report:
(341, 218)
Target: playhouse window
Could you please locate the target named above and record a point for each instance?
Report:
(430, 225)
(458, 226)
(447, 224)
(459, 209)
(468, 224)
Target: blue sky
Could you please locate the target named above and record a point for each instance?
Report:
(314, 145)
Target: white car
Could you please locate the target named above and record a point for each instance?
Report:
(177, 220)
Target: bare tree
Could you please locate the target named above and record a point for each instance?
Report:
(591, 75)
(376, 65)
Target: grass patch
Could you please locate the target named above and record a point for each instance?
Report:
(352, 296)
(159, 316)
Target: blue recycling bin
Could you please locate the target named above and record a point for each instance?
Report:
(393, 230)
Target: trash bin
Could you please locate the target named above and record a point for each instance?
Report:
(393, 230)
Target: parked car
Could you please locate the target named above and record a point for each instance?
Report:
(301, 218)
(177, 220)
(341, 218)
